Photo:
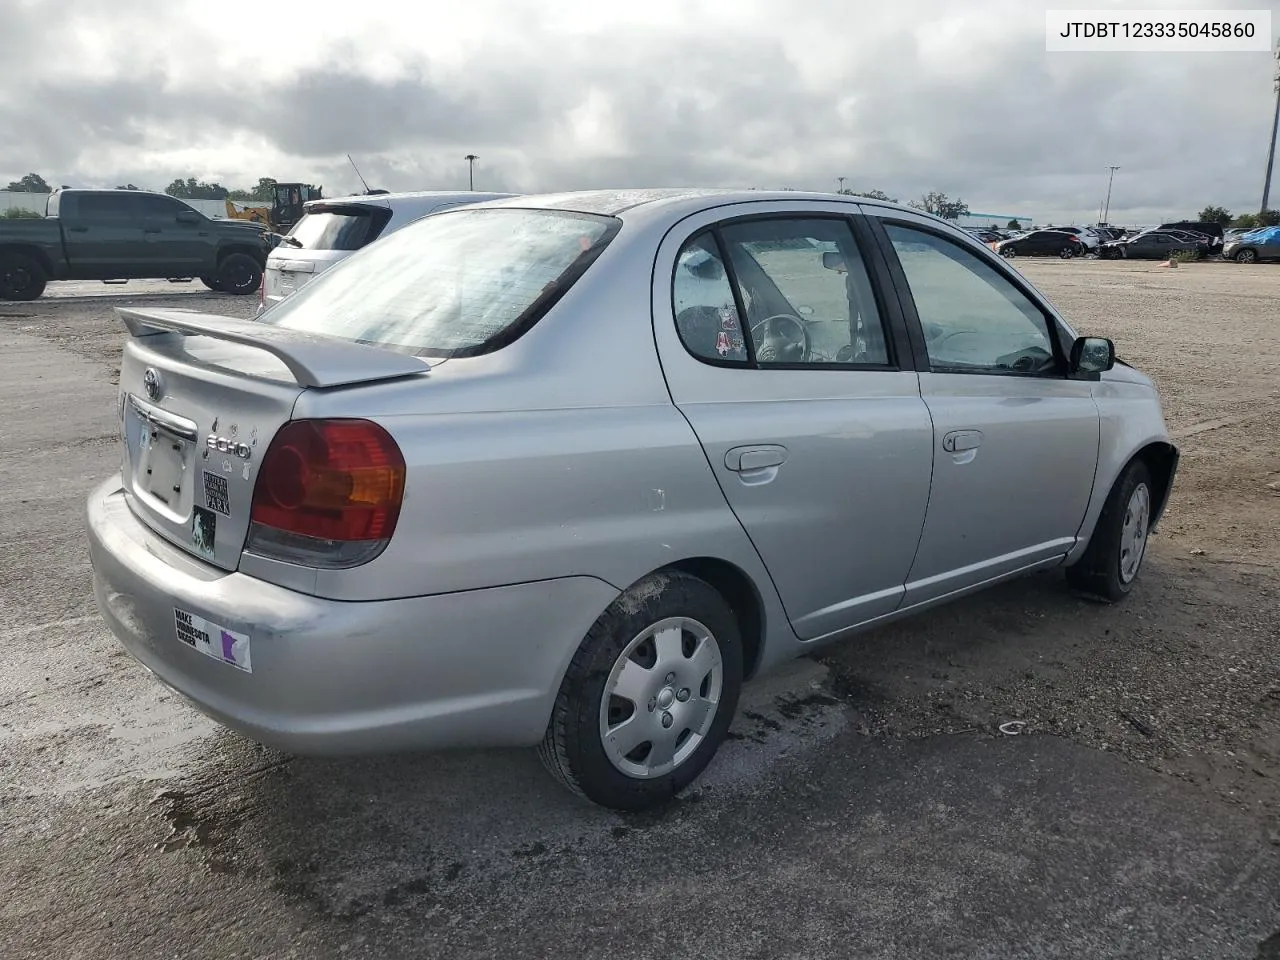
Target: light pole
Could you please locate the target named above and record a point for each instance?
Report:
(840, 182)
(1106, 204)
(1271, 154)
(471, 159)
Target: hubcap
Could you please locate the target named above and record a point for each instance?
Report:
(1133, 534)
(661, 698)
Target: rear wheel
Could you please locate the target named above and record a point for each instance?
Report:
(239, 273)
(1066, 253)
(21, 277)
(648, 697)
(1118, 546)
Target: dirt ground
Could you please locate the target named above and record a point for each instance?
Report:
(867, 805)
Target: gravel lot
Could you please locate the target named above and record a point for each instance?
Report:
(866, 806)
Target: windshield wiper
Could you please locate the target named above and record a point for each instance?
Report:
(291, 241)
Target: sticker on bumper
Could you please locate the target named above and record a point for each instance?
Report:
(213, 640)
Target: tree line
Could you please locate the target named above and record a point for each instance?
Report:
(934, 202)
(188, 189)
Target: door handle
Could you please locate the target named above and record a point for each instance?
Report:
(960, 440)
(150, 229)
(743, 459)
(77, 229)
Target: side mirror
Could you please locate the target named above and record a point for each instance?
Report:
(188, 216)
(1092, 355)
(834, 260)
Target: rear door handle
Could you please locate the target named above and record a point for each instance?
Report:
(959, 440)
(150, 229)
(743, 459)
(77, 229)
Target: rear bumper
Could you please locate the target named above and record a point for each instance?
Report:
(478, 668)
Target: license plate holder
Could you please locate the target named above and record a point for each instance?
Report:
(165, 461)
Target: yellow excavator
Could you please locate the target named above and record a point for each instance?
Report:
(284, 210)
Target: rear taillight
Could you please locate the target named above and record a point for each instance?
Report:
(328, 493)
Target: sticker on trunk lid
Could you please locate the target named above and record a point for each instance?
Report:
(204, 530)
(217, 496)
(213, 640)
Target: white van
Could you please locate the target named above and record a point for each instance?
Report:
(332, 230)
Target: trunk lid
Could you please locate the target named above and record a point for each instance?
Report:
(201, 397)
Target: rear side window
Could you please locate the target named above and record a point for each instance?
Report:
(347, 229)
(458, 283)
(107, 206)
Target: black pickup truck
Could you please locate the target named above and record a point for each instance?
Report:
(127, 235)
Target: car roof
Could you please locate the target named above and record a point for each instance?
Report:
(418, 198)
(675, 203)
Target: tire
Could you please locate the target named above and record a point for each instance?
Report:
(239, 274)
(21, 277)
(1009, 252)
(615, 654)
(1066, 253)
(211, 283)
(1246, 256)
(1109, 568)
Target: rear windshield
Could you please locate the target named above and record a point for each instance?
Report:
(333, 230)
(457, 283)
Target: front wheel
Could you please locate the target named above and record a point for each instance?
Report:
(1118, 546)
(21, 277)
(648, 698)
(1246, 256)
(1009, 252)
(239, 273)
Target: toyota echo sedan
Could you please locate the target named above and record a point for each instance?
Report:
(568, 470)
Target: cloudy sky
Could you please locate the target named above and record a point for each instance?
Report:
(904, 96)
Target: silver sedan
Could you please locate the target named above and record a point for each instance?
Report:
(567, 470)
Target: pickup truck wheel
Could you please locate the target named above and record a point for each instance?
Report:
(647, 699)
(240, 274)
(21, 277)
(210, 282)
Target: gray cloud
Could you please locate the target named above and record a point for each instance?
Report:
(1000, 123)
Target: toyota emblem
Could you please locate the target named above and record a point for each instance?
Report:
(152, 383)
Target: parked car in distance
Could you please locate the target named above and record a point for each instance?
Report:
(1086, 235)
(127, 235)
(331, 230)
(1042, 243)
(1260, 244)
(566, 470)
(1152, 245)
(1205, 228)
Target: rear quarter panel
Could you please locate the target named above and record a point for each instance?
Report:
(559, 455)
(40, 239)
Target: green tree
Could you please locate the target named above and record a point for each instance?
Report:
(1215, 215)
(1014, 225)
(17, 213)
(31, 183)
(1251, 221)
(262, 193)
(128, 186)
(940, 205)
(192, 189)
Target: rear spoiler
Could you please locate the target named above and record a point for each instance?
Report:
(313, 359)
